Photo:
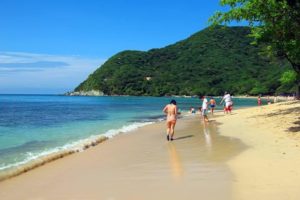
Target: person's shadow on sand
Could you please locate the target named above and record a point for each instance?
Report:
(183, 137)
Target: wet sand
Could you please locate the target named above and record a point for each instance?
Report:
(140, 165)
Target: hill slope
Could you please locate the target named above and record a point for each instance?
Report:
(209, 62)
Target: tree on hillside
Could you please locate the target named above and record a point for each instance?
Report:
(276, 22)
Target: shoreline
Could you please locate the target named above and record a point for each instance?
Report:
(77, 147)
(253, 153)
(144, 159)
(74, 147)
(93, 93)
(45, 159)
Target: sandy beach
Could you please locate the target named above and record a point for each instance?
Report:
(270, 167)
(253, 153)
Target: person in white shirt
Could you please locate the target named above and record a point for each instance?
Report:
(228, 102)
(204, 108)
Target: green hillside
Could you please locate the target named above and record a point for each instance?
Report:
(209, 62)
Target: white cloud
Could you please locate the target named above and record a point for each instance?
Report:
(37, 73)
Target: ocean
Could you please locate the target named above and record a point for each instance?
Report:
(37, 125)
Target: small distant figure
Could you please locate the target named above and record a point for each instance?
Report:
(200, 110)
(258, 101)
(192, 110)
(179, 111)
(269, 101)
(212, 103)
(204, 109)
(228, 102)
(275, 99)
(171, 111)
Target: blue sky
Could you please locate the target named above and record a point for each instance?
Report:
(50, 46)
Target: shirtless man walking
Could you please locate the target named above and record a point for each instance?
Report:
(212, 103)
(171, 111)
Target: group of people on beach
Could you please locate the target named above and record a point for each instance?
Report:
(171, 111)
(274, 99)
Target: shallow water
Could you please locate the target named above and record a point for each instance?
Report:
(35, 125)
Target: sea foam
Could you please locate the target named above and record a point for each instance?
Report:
(34, 160)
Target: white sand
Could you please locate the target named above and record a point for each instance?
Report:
(270, 167)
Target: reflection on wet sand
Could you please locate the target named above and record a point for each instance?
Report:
(217, 148)
(176, 166)
(198, 158)
(200, 150)
(207, 136)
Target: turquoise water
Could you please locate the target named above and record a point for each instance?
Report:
(36, 125)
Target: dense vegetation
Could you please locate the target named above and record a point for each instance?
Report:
(209, 62)
(273, 22)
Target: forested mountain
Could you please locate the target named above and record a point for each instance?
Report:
(209, 62)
